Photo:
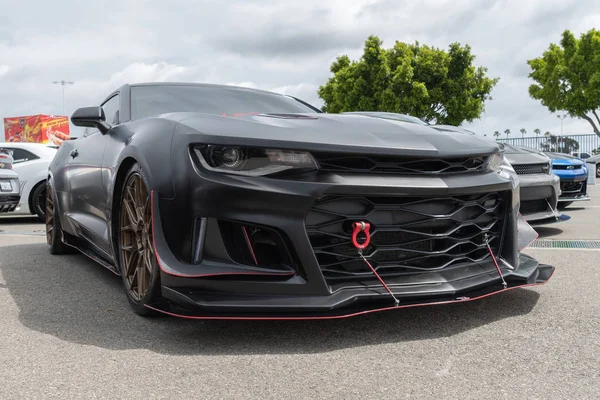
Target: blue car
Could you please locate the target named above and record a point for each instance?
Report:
(573, 174)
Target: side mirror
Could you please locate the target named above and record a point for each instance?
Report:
(90, 117)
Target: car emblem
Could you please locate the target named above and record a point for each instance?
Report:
(570, 167)
(1, 165)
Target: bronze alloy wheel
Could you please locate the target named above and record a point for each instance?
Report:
(136, 243)
(49, 217)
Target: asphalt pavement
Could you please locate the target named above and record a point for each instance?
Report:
(66, 331)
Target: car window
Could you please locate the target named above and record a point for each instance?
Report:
(111, 113)
(20, 156)
(111, 110)
(227, 101)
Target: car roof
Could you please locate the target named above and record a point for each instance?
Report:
(206, 85)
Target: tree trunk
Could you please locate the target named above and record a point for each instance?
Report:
(597, 118)
(591, 121)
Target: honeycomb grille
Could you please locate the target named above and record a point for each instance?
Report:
(525, 169)
(409, 234)
(336, 162)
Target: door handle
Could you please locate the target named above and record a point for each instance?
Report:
(74, 153)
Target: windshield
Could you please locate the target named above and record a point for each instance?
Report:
(231, 101)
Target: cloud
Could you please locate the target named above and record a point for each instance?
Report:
(281, 46)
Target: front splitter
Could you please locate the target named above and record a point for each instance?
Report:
(545, 273)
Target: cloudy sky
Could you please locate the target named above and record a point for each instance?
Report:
(284, 46)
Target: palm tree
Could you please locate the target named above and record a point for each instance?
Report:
(523, 132)
(537, 131)
(507, 131)
(497, 134)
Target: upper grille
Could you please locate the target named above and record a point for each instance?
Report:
(409, 234)
(569, 167)
(525, 169)
(339, 162)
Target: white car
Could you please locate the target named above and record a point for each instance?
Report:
(31, 162)
(9, 183)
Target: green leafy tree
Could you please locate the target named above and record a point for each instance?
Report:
(507, 132)
(497, 134)
(567, 77)
(537, 132)
(426, 82)
(523, 132)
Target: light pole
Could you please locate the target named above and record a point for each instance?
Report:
(63, 83)
(561, 117)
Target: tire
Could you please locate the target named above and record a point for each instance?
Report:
(563, 205)
(38, 201)
(138, 264)
(598, 171)
(53, 228)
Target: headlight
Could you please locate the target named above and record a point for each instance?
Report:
(253, 161)
(498, 163)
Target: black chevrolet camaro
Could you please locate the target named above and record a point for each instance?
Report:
(225, 202)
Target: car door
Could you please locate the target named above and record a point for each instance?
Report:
(87, 190)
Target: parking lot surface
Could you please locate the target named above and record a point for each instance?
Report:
(67, 332)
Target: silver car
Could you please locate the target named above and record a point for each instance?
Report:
(540, 188)
(10, 190)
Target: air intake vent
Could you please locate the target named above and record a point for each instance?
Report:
(376, 164)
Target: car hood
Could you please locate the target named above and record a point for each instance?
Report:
(519, 155)
(353, 133)
(564, 159)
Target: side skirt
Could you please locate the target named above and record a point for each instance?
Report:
(84, 248)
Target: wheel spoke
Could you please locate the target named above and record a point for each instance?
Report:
(141, 273)
(148, 260)
(130, 213)
(127, 228)
(128, 248)
(131, 262)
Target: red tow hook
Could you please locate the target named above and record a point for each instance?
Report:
(358, 228)
(365, 227)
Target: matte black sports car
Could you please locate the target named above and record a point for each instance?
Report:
(225, 202)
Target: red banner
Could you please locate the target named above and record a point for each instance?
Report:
(50, 129)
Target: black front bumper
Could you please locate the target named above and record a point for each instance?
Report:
(573, 189)
(202, 274)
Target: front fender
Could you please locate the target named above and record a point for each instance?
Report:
(146, 142)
